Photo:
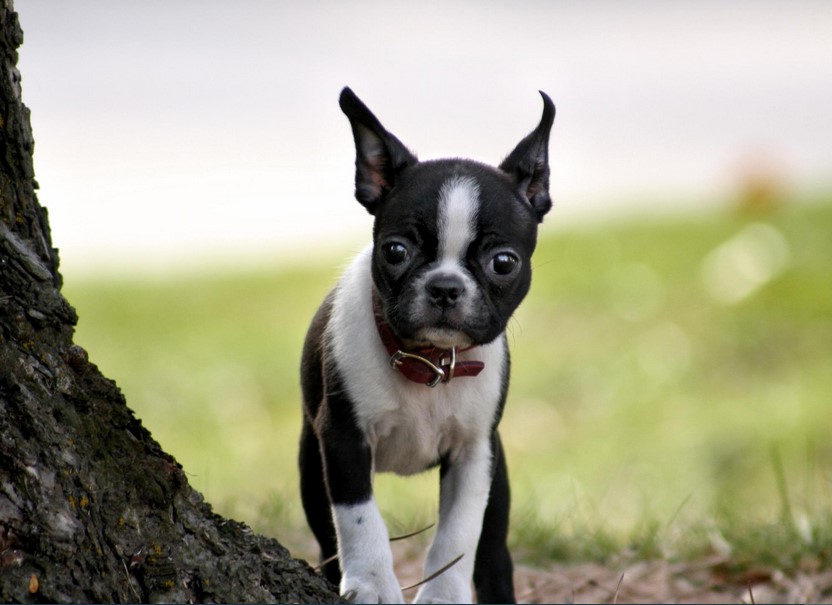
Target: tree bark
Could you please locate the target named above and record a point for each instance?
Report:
(91, 508)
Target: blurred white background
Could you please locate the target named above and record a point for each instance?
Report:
(174, 133)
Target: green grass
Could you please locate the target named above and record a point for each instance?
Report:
(670, 392)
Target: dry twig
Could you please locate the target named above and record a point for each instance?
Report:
(617, 588)
(435, 574)
(334, 557)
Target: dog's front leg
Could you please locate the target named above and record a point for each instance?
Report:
(463, 492)
(363, 544)
(364, 554)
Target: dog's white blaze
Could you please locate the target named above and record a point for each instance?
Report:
(457, 226)
(364, 554)
(459, 201)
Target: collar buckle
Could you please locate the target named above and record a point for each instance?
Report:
(440, 375)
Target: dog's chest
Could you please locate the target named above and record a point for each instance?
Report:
(426, 425)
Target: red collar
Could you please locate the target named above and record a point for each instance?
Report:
(428, 366)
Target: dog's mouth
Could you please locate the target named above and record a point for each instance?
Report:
(422, 325)
(443, 337)
(447, 329)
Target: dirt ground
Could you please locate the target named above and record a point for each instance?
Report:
(659, 581)
(655, 582)
(663, 582)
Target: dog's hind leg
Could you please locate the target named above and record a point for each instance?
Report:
(493, 570)
(316, 501)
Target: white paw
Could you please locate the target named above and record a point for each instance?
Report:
(371, 587)
(447, 588)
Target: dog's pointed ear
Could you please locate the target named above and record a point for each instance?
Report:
(528, 164)
(379, 156)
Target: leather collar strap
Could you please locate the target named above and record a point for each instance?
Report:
(428, 366)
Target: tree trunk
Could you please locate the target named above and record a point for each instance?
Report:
(91, 508)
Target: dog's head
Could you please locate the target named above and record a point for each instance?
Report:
(452, 239)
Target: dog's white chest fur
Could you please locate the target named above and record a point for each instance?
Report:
(409, 426)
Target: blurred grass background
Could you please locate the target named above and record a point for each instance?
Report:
(670, 392)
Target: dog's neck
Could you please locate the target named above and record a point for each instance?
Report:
(430, 365)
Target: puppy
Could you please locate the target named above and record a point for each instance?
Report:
(406, 367)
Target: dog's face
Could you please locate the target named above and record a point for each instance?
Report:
(453, 239)
(453, 243)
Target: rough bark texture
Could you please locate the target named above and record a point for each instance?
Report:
(91, 508)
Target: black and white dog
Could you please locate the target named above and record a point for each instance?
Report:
(406, 367)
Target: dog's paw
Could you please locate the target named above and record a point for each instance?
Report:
(447, 588)
(373, 587)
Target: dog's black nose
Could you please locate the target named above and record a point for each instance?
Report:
(445, 290)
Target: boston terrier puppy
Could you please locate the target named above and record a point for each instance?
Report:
(406, 367)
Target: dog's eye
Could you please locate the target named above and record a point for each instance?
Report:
(395, 253)
(504, 263)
